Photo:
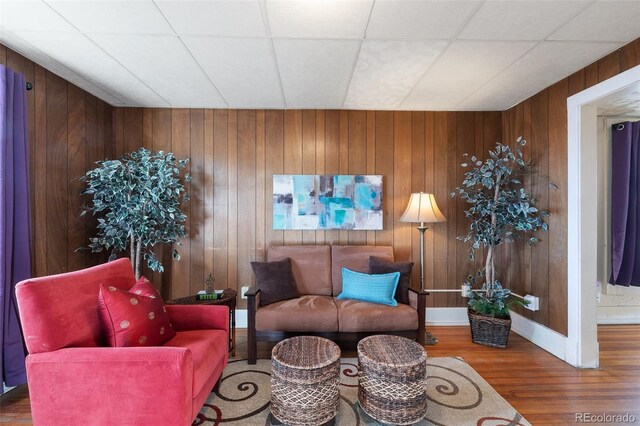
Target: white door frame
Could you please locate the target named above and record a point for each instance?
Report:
(582, 223)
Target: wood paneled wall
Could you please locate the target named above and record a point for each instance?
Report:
(69, 130)
(234, 154)
(542, 120)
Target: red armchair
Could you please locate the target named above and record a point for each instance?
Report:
(74, 378)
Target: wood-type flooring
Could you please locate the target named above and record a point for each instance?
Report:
(541, 387)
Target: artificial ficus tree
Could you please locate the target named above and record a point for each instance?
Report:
(500, 209)
(137, 200)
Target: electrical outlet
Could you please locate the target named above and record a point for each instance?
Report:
(243, 291)
(598, 290)
(534, 302)
(466, 290)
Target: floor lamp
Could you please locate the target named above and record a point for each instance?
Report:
(422, 209)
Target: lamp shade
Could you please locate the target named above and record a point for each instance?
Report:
(422, 208)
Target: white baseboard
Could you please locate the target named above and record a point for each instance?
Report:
(544, 337)
(618, 315)
(447, 316)
(241, 318)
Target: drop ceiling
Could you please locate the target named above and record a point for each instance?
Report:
(351, 54)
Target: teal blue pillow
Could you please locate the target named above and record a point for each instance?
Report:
(378, 288)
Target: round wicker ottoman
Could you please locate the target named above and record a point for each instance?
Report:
(391, 382)
(304, 381)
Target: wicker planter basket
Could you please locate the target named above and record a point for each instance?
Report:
(489, 331)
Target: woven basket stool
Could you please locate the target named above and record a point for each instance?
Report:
(304, 381)
(392, 379)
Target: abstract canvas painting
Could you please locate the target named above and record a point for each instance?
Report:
(351, 202)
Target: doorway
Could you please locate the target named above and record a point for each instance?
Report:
(582, 235)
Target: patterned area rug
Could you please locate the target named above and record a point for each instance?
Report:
(457, 396)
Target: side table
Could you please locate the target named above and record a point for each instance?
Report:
(228, 298)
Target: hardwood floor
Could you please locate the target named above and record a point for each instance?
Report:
(541, 387)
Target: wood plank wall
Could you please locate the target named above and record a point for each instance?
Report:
(234, 154)
(542, 120)
(69, 130)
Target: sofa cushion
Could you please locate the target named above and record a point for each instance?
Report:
(311, 266)
(306, 313)
(379, 288)
(355, 258)
(354, 315)
(134, 318)
(383, 266)
(208, 352)
(275, 281)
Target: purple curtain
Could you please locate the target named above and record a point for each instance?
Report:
(15, 240)
(625, 217)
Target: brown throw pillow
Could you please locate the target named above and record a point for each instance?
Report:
(379, 265)
(275, 281)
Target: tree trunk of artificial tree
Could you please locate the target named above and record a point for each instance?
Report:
(132, 253)
(138, 255)
(489, 265)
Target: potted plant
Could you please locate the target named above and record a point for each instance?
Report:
(137, 198)
(500, 209)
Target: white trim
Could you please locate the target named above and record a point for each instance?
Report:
(544, 337)
(582, 344)
(241, 318)
(6, 388)
(447, 316)
(618, 315)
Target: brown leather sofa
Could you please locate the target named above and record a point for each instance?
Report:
(318, 274)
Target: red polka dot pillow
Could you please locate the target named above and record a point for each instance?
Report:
(136, 317)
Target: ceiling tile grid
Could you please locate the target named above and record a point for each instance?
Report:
(165, 64)
(544, 65)
(315, 72)
(387, 70)
(357, 54)
(463, 69)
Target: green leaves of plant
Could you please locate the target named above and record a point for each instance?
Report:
(137, 196)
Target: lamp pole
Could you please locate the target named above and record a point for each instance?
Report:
(422, 227)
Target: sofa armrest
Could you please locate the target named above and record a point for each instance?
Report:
(140, 385)
(418, 300)
(415, 296)
(253, 303)
(199, 317)
(253, 291)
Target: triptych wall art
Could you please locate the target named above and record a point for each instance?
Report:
(318, 202)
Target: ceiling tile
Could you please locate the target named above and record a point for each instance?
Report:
(418, 19)
(461, 70)
(544, 65)
(72, 50)
(217, 18)
(117, 17)
(318, 19)
(243, 70)
(521, 20)
(603, 21)
(19, 45)
(624, 102)
(387, 70)
(165, 65)
(31, 16)
(315, 73)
